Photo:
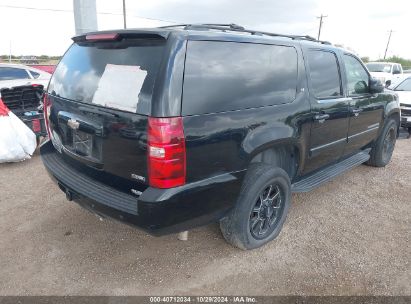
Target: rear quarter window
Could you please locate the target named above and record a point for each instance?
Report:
(35, 74)
(226, 76)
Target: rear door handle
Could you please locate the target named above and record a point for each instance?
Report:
(321, 117)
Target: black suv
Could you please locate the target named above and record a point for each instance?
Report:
(171, 128)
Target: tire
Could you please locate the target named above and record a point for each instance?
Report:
(259, 214)
(382, 151)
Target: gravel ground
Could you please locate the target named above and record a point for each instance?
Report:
(348, 237)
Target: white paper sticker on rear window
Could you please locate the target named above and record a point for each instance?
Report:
(119, 87)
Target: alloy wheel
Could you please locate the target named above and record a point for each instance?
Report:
(266, 212)
(389, 144)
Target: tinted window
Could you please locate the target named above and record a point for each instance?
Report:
(396, 69)
(35, 74)
(224, 76)
(13, 73)
(324, 74)
(357, 76)
(404, 86)
(119, 75)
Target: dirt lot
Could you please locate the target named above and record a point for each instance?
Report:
(348, 237)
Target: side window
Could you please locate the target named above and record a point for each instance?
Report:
(396, 69)
(34, 74)
(357, 76)
(227, 76)
(324, 74)
(13, 73)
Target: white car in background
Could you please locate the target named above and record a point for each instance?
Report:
(403, 90)
(387, 72)
(12, 75)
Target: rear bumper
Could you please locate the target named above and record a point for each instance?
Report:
(157, 211)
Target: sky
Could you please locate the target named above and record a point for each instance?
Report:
(361, 25)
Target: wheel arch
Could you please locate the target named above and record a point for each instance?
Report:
(392, 109)
(396, 116)
(285, 155)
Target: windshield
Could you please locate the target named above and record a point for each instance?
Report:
(108, 75)
(404, 86)
(379, 67)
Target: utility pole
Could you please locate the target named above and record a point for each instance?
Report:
(388, 43)
(85, 16)
(321, 24)
(124, 14)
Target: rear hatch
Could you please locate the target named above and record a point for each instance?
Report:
(99, 99)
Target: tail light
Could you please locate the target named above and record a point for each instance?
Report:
(166, 152)
(36, 126)
(46, 109)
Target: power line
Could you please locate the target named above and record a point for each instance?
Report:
(35, 8)
(70, 11)
(321, 24)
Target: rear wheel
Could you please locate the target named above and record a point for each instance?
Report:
(261, 209)
(384, 147)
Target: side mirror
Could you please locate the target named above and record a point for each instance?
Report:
(376, 86)
(396, 72)
(361, 87)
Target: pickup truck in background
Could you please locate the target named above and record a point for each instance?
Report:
(387, 72)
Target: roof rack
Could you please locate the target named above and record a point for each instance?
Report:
(232, 27)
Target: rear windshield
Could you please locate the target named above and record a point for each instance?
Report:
(113, 75)
(379, 67)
